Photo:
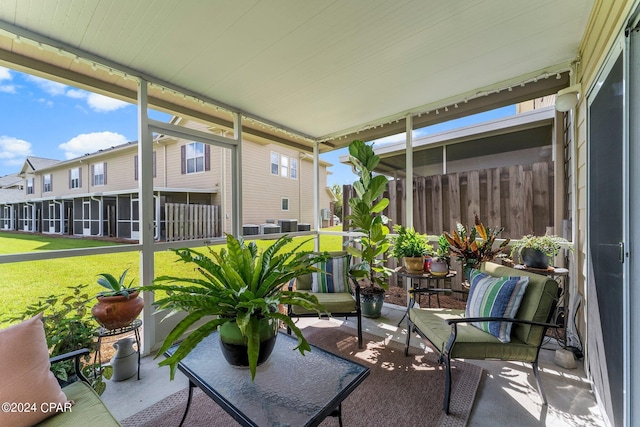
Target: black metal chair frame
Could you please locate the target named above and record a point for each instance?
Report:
(357, 313)
(445, 356)
(76, 355)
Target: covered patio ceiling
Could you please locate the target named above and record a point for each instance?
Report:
(303, 71)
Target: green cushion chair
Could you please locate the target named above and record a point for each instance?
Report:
(88, 408)
(452, 336)
(344, 303)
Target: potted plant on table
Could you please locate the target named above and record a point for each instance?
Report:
(367, 218)
(120, 304)
(475, 246)
(411, 247)
(242, 287)
(439, 265)
(536, 251)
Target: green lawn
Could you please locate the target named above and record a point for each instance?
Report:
(23, 282)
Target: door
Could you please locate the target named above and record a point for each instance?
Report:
(135, 220)
(86, 218)
(606, 207)
(52, 218)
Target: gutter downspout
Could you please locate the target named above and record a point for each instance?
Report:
(100, 225)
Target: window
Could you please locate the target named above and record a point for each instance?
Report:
(284, 166)
(29, 185)
(99, 173)
(285, 204)
(47, 183)
(294, 169)
(74, 178)
(275, 163)
(195, 157)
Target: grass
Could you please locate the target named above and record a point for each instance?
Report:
(23, 283)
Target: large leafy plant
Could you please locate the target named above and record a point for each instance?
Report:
(367, 218)
(474, 246)
(238, 283)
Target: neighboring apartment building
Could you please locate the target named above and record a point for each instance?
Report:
(97, 194)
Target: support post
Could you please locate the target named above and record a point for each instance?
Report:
(145, 210)
(408, 221)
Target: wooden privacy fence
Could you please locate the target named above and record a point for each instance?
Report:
(519, 198)
(188, 221)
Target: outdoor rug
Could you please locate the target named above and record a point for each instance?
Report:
(400, 391)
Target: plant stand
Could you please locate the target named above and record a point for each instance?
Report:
(103, 332)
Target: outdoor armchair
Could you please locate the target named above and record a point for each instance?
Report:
(88, 409)
(332, 288)
(453, 336)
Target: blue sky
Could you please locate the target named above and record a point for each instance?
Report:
(47, 119)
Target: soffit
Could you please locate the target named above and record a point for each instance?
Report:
(303, 70)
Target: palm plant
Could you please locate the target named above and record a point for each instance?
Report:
(237, 284)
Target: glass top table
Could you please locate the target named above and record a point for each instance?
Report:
(289, 389)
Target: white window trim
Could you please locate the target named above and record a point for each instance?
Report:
(282, 199)
(95, 174)
(75, 182)
(271, 155)
(291, 168)
(194, 158)
(30, 188)
(284, 169)
(45, 184)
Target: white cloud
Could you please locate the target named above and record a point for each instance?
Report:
(47, 102)
(103, 104)
(91, 142)
(5, 74)
(13, 151)
(50, 87)
(8, 88)
(76, 93)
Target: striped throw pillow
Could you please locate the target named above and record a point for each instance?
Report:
(495, 297)
(332, 276)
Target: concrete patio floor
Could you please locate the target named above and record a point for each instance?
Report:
(507, 395)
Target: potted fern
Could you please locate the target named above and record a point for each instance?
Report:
(411, 247)
(242, 288)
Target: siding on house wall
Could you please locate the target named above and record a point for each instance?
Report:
(263, 191)
(607, 21)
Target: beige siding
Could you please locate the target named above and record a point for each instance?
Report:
(263, 192)
(607, 21)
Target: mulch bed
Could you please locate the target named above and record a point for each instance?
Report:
(398, 295)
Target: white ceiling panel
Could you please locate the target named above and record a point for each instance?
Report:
(318, 67)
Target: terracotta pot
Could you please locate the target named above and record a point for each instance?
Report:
(117, 312)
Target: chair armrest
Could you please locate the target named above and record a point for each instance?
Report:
(454, 327)
(76, 355)
(500, 319)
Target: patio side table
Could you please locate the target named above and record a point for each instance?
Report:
(430, 278)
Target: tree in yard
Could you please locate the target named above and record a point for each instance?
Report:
(337, 206)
